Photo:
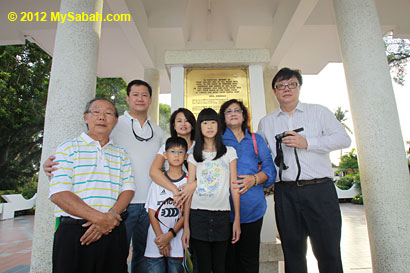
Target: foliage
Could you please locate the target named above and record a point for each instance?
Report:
(24, 77)
(398, 55)
(113, 89)
(345, 182)
(164, 116)
(350, 168)
(358, 199)
(348, 163)
(341, 117)
(27, 190)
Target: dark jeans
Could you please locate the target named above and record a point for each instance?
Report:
(137, 225)
(309, 211)
(106, 255)
(243, 257)
(210, 255)
(165, 265)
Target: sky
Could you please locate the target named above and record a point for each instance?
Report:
(316, 90)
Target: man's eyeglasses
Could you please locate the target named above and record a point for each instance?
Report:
(97, 113)
(231, 112)
(291, 85)
(137, 137)
(176, 152)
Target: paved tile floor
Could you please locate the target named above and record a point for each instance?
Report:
(355, 242)
(16, 239)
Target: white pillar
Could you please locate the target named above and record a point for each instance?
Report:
(72, 84)
(257, 94)
(151, 76)
(270, 248)
(177, 87)
(382, 160)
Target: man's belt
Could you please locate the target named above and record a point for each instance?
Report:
(301, 183)
(66, 220)
(72, 221)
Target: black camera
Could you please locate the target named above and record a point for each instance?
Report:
(279, 137)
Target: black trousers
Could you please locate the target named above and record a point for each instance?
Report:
(210, 255)
(243, 257)
(107, 255)
(309, 211)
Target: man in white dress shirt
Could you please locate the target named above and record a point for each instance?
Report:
(306, 203)
(142, 139)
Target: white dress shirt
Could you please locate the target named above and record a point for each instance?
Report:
(142, 153)
(323, 132)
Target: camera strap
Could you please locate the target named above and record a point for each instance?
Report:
(298, 164)
(279, 160)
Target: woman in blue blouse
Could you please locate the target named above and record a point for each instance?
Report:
(244, 255)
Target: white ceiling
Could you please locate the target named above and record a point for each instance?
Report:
(298, 33)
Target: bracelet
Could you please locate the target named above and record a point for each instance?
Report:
(173, 232)
(256, 180)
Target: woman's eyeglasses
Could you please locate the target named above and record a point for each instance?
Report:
(231, 112)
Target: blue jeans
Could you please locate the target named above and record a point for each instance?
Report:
(165, 265)
(137, 225)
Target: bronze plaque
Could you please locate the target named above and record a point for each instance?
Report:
(211, 87)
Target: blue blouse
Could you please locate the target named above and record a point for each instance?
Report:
(253, 202)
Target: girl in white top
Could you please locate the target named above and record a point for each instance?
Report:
(212, 168)
(182, 123)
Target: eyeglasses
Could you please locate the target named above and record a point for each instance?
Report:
(141, 138)
(231, 112)
(291, 85)
(97, 113)
(176, 152)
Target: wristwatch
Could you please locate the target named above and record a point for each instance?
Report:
(173, 232)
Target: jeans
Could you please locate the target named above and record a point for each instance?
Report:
(137, 225)
(165, 265)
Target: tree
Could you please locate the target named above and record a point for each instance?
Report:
(348, 163)
(113, 89)
(164, 117)
(24, 78)
(398, 55)
(350, 168)
(341, 117)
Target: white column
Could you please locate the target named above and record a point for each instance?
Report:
(270, 248)
(177, 87)
(257, 93)
(72, 84)
(151, 76)
(382, 160)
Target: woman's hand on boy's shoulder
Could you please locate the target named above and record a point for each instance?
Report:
(185, 193)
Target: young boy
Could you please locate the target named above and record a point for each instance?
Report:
(164, 249)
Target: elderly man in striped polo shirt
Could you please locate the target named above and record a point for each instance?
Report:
(91, 188)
